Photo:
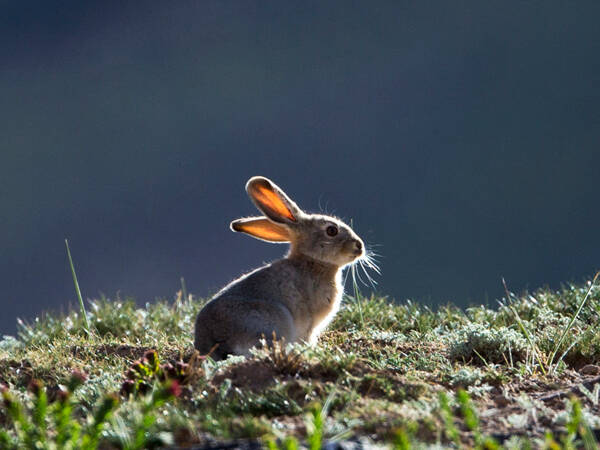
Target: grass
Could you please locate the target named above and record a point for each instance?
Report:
(523, 375)
(77, 290)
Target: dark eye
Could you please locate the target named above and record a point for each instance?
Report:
(331, 230)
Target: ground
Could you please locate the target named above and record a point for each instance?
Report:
(524, 373)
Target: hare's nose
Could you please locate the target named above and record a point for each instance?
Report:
(358, 245)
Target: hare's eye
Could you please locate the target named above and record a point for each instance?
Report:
(331, 231)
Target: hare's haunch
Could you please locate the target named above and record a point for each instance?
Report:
(294, 297)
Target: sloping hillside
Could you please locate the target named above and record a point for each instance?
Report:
(526, 372)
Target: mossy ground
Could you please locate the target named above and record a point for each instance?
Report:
(379, 372)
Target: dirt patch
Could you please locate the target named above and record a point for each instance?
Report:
(254, 375)
(393, 387)
(257, 375)
(531, 407)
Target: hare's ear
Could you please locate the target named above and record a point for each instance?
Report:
(261, 228)
(272, 201)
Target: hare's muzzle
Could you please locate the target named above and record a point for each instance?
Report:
(357, 247)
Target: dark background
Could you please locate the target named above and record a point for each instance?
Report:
(463, 137)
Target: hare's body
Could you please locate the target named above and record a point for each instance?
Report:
(294, 307)
(293, 298)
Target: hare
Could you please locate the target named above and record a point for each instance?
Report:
(293, 298)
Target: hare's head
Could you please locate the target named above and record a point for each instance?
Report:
(322, 238)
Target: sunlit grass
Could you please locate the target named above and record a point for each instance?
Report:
(395, 373)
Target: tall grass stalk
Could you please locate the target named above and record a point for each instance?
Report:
(570, 325)
(77, 290)
(530, 341)
(357, 296)
(355, 288)
(184, 292)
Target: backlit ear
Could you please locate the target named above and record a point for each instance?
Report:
(272, 201)
(261, 228)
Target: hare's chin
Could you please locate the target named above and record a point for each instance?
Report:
(353, 256)
(357, 254)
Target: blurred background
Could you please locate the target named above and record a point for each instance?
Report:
(462, 137)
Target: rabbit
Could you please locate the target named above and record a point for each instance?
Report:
(293, 298)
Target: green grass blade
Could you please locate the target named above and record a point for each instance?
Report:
(40, 411)
(450, 429)
(315, 438)
(571, 322)
(184, 292)
(577, 425)
(77, 290)
(290, 443)
(401, 440)
(357, 294)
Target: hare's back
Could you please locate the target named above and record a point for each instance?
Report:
(272, 282)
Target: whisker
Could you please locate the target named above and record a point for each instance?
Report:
(372, 282)
(358, 276)
(374, 267)
(366, 263)
(369, 262)
(372, 252)
(346, 277)
(373, 257)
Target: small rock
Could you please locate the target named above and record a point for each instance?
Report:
(590, 369)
